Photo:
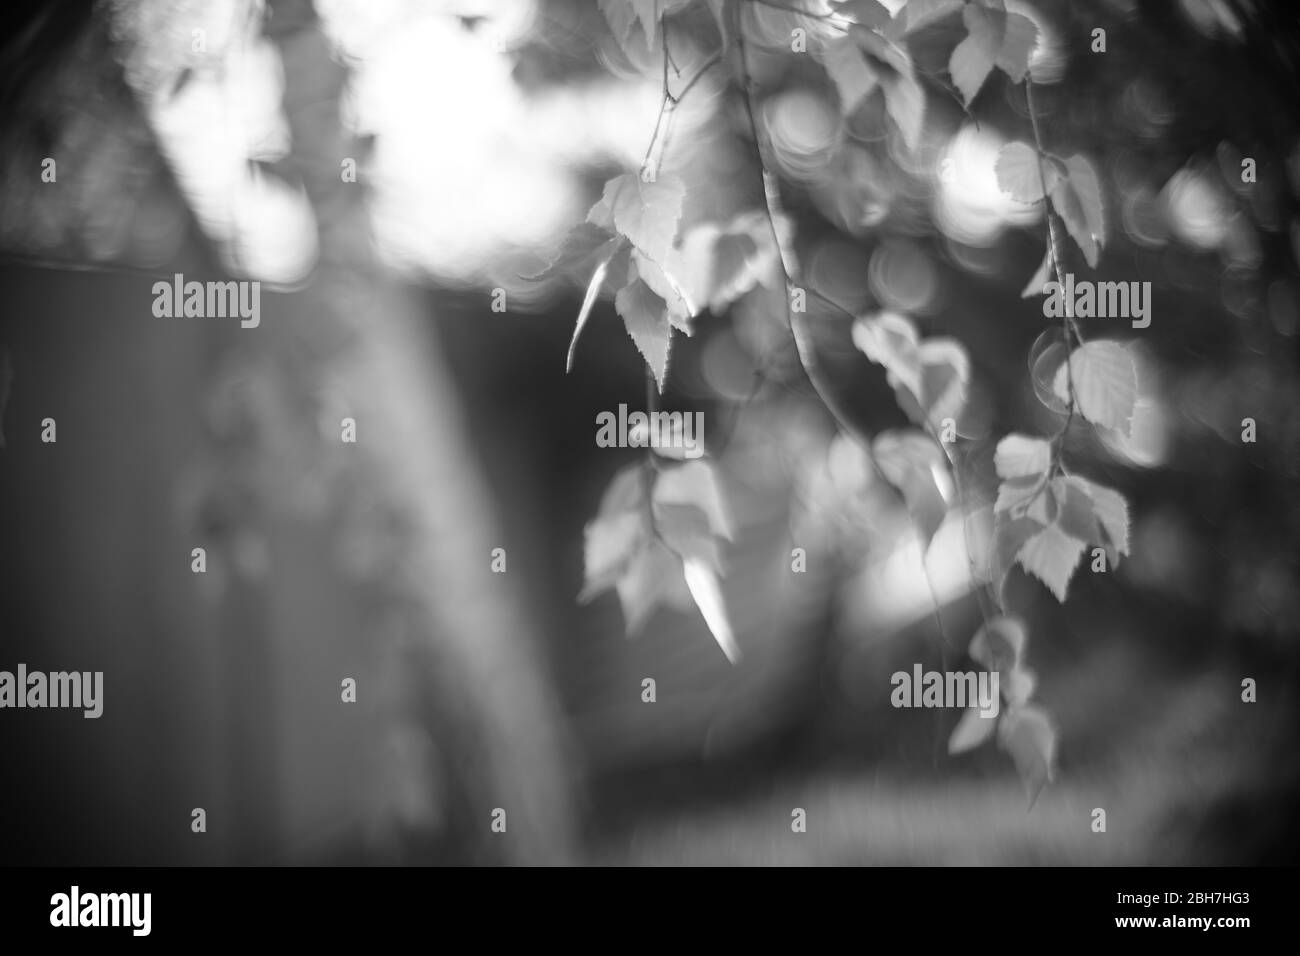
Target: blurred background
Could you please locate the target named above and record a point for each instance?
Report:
(214, 139)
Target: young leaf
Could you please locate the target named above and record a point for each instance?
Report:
(971, 731)
(1017, 686)
(1074, 511)
(1105, 383)
(707, 592)
(647, 319)
(908, 459)
(1028, 736)
(647, 213)
(1020, 455)
(1051, 556)
(1020, 176)
(999, 644)
(677, 307)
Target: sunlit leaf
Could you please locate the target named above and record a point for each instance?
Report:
(646, 212)
(972, 59)
(1020, 455)
(646, 317)
(1104, 378)
(1040, 278)
(653, 577)
(1051, 555)
(1111, 511)
(1077, 199)
(1009, 535)
(704, 587)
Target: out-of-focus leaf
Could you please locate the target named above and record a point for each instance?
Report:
(695, 483)
(1105, 383)
(653, 577)
(685, 529)
(918, 14)
(703, 584)
(1028, 736)
(623, 15)
(583, 248)
(1040, 278)
(891, 340)
(908, 459)
(849, 70)
(611, 542)
(972, 59)
(999, 644)
(1111, 511)
(945, 376)
(971, 731)
(869, 13)
(1009, 535)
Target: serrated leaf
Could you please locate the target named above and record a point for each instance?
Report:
(647, 213)
(695, 483)
(1075, 511)
(1111, 511)
(1019, 455)
(703, 584)
(1009, 536)
(1028, 736)
(908, 459)
(1018, 39)
(645, 315)
(1077, 199)
(971, 731)
(1051, 556)
(582, 250)
(1104, 377)
(1040, 278)
(678, 308)
(972, 59)
(999, 644)
(1020, 176)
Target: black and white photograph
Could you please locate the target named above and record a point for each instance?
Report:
(629, 434)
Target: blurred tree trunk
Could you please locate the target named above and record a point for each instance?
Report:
(326, 560)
